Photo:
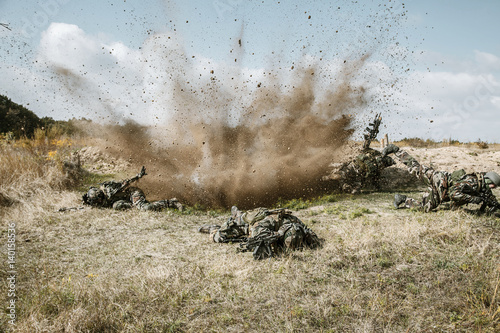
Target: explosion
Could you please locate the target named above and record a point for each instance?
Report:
(222, 134)
(280, 145)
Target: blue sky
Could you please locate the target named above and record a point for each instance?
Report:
(434, 70)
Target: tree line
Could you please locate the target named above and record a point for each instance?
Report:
(22, 122)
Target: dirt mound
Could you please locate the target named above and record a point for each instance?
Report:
(453, 158)
(93, 159)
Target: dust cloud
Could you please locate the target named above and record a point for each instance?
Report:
(221, 134)
(279, 143)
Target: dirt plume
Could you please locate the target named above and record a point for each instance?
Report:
(280, 146)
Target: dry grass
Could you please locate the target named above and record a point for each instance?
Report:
(379, 270)
(32, 168)
(428, 143)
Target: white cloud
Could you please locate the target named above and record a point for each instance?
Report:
(461, 105)
(487, 61)
(93, 77)
(66, 45)
(77, 74)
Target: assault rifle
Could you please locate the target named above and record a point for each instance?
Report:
(372, 132)
(489, 201)
(234, 240)
(278, 211)
(261, 245)
(127, 182)
(67, 209)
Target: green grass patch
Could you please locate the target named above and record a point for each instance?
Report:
(199, 210)
(301, 203)
(358, 212)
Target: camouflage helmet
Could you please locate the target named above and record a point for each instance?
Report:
(494, 177)
(94, 197)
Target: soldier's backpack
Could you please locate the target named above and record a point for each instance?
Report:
(457, 175)
(311, 239)
(293, 236)
(297, 236)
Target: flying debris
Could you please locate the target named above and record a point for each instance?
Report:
(6, 26)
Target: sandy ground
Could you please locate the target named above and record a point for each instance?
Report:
(453, 158)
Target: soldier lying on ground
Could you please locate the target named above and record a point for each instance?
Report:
(458, 187)
(365, 169)
(120, 195)
(265, 232)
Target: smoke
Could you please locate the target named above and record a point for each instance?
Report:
(219, 133)
(247, 143)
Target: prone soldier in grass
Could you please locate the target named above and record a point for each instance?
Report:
(120, 195)
(365, 169)
(457, 187)
(264, 232)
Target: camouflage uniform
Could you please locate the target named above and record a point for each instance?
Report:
(280, 228)
(137, 199)
(120, 195)
(235, 229)
(364, 170)
(458, 187)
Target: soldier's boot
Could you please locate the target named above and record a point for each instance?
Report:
(208, 228)
(174, 203)
(171, 203)
(399, 199)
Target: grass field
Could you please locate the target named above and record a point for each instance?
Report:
(379, 269)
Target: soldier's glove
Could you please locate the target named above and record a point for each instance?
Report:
(392, 148)
(476, 200)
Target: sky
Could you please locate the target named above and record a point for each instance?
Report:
(433, 67)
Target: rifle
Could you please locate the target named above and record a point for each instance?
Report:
(261, 245)
(372, 132)
(234, 240)
(489, 201)
(65, 209)
(279, 211)
(126, 182)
